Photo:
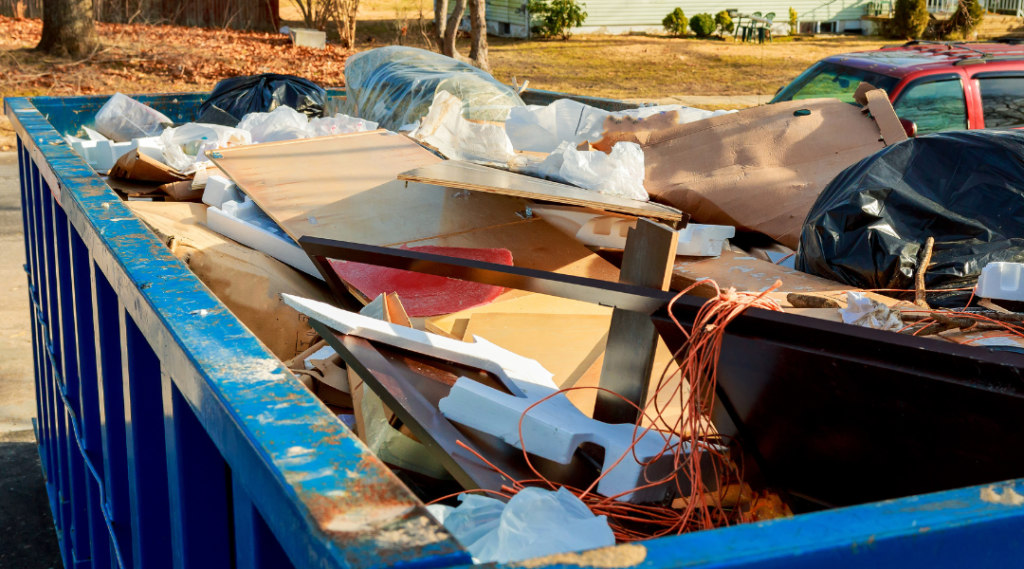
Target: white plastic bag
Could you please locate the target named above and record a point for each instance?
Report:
(535, 522)
(863, 311)
(338, 124)
(283, 123)
(459, 139)
(122, 118)
(620, 173)
(184, 147)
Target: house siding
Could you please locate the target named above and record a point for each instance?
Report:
(643, 14)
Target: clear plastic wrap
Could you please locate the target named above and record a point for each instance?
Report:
(184, 147)
(534, 523)
(620, 173)
(283, 123)
(445, 129)
(396, 85)
(122, 118)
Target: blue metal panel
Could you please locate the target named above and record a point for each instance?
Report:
(199, 488)
(107, 331)
(255, 545)
(147, 458)
(325, 498)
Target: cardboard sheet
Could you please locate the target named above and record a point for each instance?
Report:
(759, 169)
(248, 282)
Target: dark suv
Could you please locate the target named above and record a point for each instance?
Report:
(937, 85)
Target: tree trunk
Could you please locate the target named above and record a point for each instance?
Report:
(440, 19)
(451, 30)
(478, 18)
(68, 28)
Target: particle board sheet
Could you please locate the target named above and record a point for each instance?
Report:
(745, 273)
(468, 176)
(344, 187)
(455, 325)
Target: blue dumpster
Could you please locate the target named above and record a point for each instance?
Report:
(171, 437)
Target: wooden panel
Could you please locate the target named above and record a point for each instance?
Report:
(455, 325)
(566, 345)
(746, 273)
(632, 339)
(312, 186)
(464, 175)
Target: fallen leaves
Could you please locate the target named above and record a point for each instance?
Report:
(136, 58)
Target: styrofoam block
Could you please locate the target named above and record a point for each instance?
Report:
(554, 430)
(520, 375)
(598, 229)
(219, 190)
(1002, 281)
(101, 155)
(245, 232)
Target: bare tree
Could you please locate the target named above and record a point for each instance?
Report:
(316, 13)
(440, 13)
(478, 19)
(451, 30)
(68, 29)
(345, 16)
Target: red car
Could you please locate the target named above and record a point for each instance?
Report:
(937, 85)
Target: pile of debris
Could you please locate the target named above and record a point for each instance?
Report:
(528, 312)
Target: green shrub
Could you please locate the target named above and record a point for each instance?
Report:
(558, 17)
(794, 23)
(724, 22)
(965, 20)
(675, 22)
(909, 20)
(703, 25)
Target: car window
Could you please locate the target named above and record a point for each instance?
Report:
(1002, 101)
(934, 106)
(830, 80)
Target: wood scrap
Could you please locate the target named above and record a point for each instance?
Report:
(920, 294)
(632, 338)
(137, 166)
(477, 178)
(798, 300)
(395, 311)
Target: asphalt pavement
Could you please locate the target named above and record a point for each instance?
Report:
(28, 539)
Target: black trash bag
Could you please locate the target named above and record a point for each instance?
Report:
(965, 189)
(239, 96)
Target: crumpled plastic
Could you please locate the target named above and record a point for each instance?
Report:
(283, 123)
(122, 118)
(620, 173)
(239, 96)
(534, 523)
(539, 128)
(445, 129)
(863, 311)
(396, 85)
(184, 147)
(963, 188)
(338, 124)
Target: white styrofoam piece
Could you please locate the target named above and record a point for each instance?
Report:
(102, 154)
(520, 375)
(92, 134)
(554, 430)
(598, 229)
(252, 235)
(1002, 281)
(219, 190)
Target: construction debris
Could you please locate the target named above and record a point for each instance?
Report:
(587, 316)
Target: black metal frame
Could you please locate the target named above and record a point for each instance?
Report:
(835, 413)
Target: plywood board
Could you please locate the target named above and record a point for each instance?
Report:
(455, 325)
(468, 176)
(566, 345)
(344, 187)
(746, 273)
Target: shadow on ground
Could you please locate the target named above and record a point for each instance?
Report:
(28, 536)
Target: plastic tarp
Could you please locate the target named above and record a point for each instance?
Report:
(396, 85)
(239, 96)
(962, 188)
